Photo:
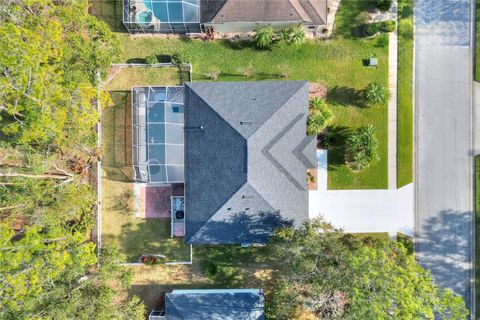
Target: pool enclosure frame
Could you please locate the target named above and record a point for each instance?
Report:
(174, 21)
(157, 134)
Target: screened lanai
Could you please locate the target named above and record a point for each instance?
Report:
(162, 16)
(158, 118)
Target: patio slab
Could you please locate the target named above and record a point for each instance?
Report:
(154, 201)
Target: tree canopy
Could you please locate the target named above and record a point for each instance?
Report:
(327, 274)
(51, 53)
(52, 274)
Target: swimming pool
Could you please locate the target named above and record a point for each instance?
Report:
(174, 11)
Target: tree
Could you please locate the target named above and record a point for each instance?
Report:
(362, 147)
(52, 274)
(263, 38)
(327, 274)
(376, 93)
(51, 53)
(39, 190)
(384, 5)
(292, 36)
(319, 116)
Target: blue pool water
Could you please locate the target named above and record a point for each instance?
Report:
(174, 11)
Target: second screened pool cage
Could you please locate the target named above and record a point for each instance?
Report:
(162, 16)
(157, 137)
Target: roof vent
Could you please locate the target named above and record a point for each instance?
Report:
(246, 122)
(247, 196)
(195, 129)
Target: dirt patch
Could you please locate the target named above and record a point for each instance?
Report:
(317, 90)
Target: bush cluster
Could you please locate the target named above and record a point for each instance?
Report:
(384, 5)
(265, 37)
(362, 147)
(319, 116)
(372, 29)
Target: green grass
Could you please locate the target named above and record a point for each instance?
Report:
(477, 231)
(126, 78)
(405, 98)
(336, 63)
(477, 41)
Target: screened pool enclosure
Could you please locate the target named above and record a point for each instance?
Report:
(162, 16)
(158, 118)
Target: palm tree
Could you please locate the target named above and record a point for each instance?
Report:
(362, 147)
(320, 116)
(297, 35)
(263, 37)
(376, 93)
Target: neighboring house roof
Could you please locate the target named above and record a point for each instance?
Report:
(246, 155)
(307, 11)
(218, 304)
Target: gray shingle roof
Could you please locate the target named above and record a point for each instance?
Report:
(245, 170)
(217, 304)
(307, 11)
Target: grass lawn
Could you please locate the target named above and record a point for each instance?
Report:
(236, 267)
(405, 95)
(336, 63)
(125, 78)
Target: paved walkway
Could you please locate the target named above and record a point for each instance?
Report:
(444, 142)
(362, 210)
(392, 110)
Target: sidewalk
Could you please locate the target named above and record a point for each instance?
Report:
(392, 110)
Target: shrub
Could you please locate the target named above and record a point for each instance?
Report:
(327, 140)
(263, 38)
(319, 116)
(382, 41)
(405, 11)
(297, 35)
(151, 260)
(209, 34)
(179, 58)
(214, 73)
(405, 29)
(284, 35)
(292, 36)
(362, 147)
(384, 5)
(376, 93)
(152, 59)
(209, 268)
(372, 29)
(387, 26)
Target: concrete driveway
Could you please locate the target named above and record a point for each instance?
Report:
(443, 138)
(365, 211)
(361, 211)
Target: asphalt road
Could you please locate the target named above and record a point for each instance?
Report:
(444, 145)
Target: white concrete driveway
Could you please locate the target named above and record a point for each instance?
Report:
(362, 210)
(365, 210)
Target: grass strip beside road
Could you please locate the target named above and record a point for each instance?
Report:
(405, 94)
